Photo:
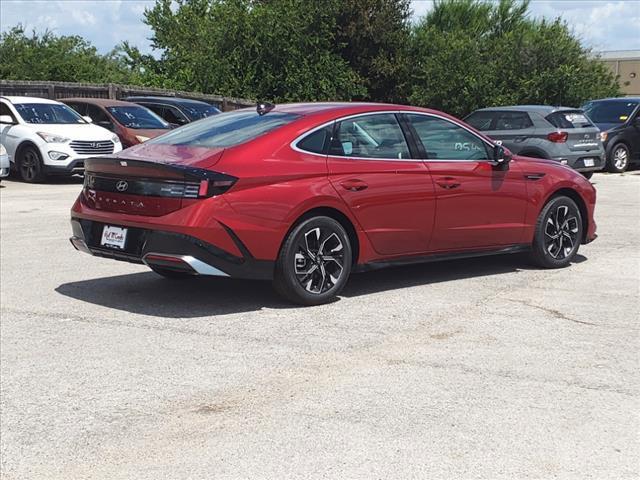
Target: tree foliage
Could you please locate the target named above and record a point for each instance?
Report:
(62, 58)
(469, 54)
(462, 55)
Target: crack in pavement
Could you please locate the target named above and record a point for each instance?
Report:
(555, 313)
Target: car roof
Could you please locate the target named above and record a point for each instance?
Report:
(13, 99)
(616, 99)
(541, 109)
(104, 102)
(169, 100)
(339, 108)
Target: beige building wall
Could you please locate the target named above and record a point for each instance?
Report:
(625, 64)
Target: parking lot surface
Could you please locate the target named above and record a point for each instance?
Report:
(484, 368)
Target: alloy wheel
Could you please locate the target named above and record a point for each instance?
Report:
(29, 165)
(620, 158)
(561, 232)
(319, 260)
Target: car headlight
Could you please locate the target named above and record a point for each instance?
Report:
(603, 136)
(53, 138)
(3, 151)
(142, 138)
(115, 139)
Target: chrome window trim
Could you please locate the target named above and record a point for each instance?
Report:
(299, 138)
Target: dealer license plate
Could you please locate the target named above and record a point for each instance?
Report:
(113, 237)
(589, 162)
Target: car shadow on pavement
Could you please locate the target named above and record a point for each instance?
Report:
(148, 294)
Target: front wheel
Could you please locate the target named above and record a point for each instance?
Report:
(314, 262)
(558, 233)
(619, 158)
(30, 165)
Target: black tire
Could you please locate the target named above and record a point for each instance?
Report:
(587, 175)
(314, 263)
(619, 158)
(171, 274)
(558, 233)
(29, 166)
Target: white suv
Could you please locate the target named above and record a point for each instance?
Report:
(44, 137)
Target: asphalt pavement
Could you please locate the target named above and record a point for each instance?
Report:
(485, 368)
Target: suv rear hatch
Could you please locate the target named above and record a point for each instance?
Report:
(141, 187)
(582, 135)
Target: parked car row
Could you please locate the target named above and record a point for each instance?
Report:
(43, 137)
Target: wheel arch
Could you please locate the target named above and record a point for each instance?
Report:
(24, 144)
(339, 217)
(577, 198)
(534, 152)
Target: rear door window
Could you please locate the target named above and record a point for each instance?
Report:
(370, 136)
(569, 119)
(512, 121)
(482, 120)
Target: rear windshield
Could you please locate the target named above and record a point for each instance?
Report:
(569, 119)
(47, 113)
(226, 129)
(609, 112)
(137, 117)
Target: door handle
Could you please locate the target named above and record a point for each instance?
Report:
(448, 183)
(354, 185)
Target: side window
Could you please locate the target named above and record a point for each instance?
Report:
(157, 109)
(173, 115)
(5, 110)
(316, 142)
(513, 121)
(99, 117)
(81, 108)
(370, 136)
(481, 120)
(445, 140)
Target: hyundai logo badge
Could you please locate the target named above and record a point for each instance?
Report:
(122, 185)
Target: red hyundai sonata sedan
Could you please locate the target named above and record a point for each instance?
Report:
(305, 194)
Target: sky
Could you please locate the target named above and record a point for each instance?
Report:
(600, 24)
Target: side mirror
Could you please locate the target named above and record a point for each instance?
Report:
(87, 119)
(502, 156)
(6, 119)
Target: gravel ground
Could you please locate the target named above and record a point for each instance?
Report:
(482, 368)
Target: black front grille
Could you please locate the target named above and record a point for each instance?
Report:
(142, 186)
(84, 147)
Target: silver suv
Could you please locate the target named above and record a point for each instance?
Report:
(557, 133)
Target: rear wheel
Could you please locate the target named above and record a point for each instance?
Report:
(314, 262)
(30, 165)
(558, 233)
(619, 158)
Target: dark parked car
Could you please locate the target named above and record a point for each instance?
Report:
(304, 194)
(178, 111)
(619, 120)
(131, 122)
(558, 133)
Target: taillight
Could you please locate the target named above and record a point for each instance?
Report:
(558, 137)
(216, 184)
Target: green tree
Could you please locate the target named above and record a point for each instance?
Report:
(62, 58)
(468, 54)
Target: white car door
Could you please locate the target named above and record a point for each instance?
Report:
(9, 134)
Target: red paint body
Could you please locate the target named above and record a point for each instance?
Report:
(406, 209)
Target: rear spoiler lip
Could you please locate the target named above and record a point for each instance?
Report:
(188, 172)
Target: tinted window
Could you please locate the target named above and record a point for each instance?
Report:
(47, 113)
(226, 129)
(81, 108)
(512, 121)
(157, 109)
(97, 114)
(370, 136)
(447, 141)
(317, 141)
(609, 112)
(137, 117)
(196, 111)
(4, 110)
(481, 120)
(573, 119)
(173, 115)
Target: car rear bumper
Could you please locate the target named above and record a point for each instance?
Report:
(170, 251)
(577, 161)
